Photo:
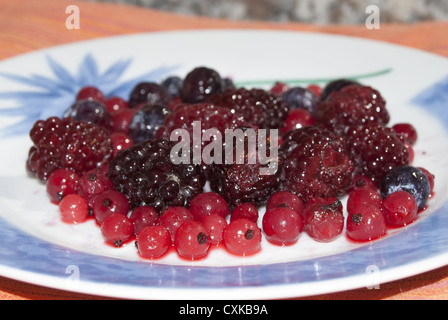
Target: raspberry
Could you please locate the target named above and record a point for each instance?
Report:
(353, 105)
(145, 174)
(261, 108)
(66, 143)
(375, 150)
(315, 164)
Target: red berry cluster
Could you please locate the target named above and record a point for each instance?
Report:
(334, 142)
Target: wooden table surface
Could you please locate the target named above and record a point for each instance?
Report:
(29, 25)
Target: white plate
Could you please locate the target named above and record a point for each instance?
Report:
(38, 248)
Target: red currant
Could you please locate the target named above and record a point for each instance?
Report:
(173, 217)
(215, 225)
(297, 118)
(60, 183)
(143, 216)
(282, 226)
(285, 199)
(279, 88)
(361, 197)
(73, 209)
(430, 177)
(153, 242)
(191, 240)
(117, 229)
(407, 130)
(324, 222)
(400, 209)
(368, 223)
(120, 141)
(114, 104)
(361, 181)
(90, 93)
(242, 237)
(94, 182)
(245, 210)
(207, 203)
(108, 202)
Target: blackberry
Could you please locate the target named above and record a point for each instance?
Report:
(67, 143)
(145, 174)
(375, 150)
(241, 183)
(352, 105)
(259, 107)
(315, 163)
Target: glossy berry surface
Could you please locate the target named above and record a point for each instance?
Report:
(200, 84)
(148, 93)
(61, 183)
(245, 210)
(215, 225)
(143, 217)
(115, 104)
(91, 111)
(73, 209)
(410, 179)
(400, 209)
(117, 229)
(191, 240)
(336, 86)
(297, 118)
(94, 182)
(301, 98)
(282, 226)
(146, 121)
(173, 217)
(361, 197)
(285, 199)
(120, 141)
(90, 93)
(242, 237)
(324, 222)
(367, 223)
(173, 85)
(66, 143)
(108, 202)
(207, 203)
(408, 131)
(153, 242)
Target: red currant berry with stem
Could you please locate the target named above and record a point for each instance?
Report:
(400, 209)
(116, 229)
(108, 202)
(207, 203)
(90, 93)
(245, 210)
(324, 222)
(143, 216)
(120, 141)
(282, 226)
(73, 209)
(61, 183)
(297, 118)
(365, 224)
(215, 225)
(361, 197)
(242, 237)
(93, 182)
(173, 217)
(285, 199)
(408, 131)
(192, 240)
(361, 181)
(153, 242)
(114, 104)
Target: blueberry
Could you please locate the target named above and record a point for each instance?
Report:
(410, 179)
(149, 92)
(146, 121)
(335, 85)
(301, 98)
(173, 84)
(200, 84)
(89, 110)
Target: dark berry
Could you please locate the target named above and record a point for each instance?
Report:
(173, 85)
(146, 121)
(191, 240)
(353, 105)
(200, 84)
(375, 150)
(153, 242)
(91, 111)
(368, 223)
(410, 179)
(67, 143)
(261, 108)
(61, 183)
(148, 93)
(301, 98)
(242, 237)
(336, 86)
(207, 203)
(324, 222)
(400, 209)
(145, 174)
(315, 163)
(73, 209)
(282, 226)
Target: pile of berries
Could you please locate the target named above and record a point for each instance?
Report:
(111, 159)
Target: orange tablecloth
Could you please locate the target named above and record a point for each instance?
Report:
(28, 25)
